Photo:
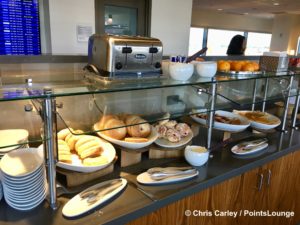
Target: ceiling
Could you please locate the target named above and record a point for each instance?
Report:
(260, 8)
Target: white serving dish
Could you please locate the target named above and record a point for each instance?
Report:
(130, 145)
(78, 206)
(223, 126)
(167, 144)
(206, 68)
(258, 125)
(12, 137)
(181, 71)
(145, 178)
(254, 150)
(108, 151)
(195, 158)
(21, 162)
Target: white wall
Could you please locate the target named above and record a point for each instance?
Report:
(285, 33)
(64, 16)
(214, 19)
(170, 22)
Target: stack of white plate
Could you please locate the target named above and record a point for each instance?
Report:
(1, 191)
(12, 138)
(23, 178)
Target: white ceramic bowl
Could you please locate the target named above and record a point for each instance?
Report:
(181, 71)
(206, 69)
(195, 158)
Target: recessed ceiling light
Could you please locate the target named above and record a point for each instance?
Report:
(220, 9)
(276, 3)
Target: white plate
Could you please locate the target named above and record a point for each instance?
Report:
(108, 151)
(145, 178)
(259, 148)
(167, 144)
(223, 126)
(78, 206)
(12, 137)
(261, 126)
(23, 180)
(21, 162)
(130, 145)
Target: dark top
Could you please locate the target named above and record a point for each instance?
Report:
(237, 45)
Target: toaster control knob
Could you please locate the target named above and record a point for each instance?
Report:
(157, 65)
(119, 65)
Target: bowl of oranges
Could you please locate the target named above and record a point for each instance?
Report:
(238, 67)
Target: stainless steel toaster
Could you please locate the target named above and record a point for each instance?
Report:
(125, 56)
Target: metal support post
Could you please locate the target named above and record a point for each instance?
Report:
(265, 95)
(254, 95)
(296, 106)
(211, 114)
(284, 118)
(50, 144)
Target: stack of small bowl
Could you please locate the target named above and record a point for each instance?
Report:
(23, 178)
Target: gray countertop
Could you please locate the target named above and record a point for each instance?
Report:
(137, 200)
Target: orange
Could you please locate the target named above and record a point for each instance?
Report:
(256, 66)
(248, 67)
(224, 66)
(236, 66)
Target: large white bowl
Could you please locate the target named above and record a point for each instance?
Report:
(195, 158)
(181, 71)
(224, 126)
(129, 145)
(206, 68)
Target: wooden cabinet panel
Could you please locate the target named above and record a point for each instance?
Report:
(240, 193)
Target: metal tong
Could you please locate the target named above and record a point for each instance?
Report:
(248, 145)
(160, 173)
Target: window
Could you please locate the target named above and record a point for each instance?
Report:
(196, 40)
(218, 41)
(257, 43)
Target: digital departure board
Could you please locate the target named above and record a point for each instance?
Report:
(19, 27)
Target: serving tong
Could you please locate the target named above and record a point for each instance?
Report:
(249, 145)
(94, 195)
(160, 173)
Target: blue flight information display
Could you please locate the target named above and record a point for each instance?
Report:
(19, 27)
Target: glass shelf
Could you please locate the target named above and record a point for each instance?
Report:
(78, 85)
(153, 105)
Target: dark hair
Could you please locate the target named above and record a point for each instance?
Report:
(236, 45)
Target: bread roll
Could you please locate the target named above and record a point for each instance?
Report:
(130, 119)
(143, 129)
(97, 161)
(118, 133)
(136, 140)
(104, 119)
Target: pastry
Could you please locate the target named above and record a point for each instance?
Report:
(65, 158)
(142, 129)
(136, 140)
(91, 152)
(72, 139)
(119, 132)
(88, 145)
(84, 139)
(183, 129)
(61, 135)
(173, 135)
(170, 124)
(161, 130)
(97, 161)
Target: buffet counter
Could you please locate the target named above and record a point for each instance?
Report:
(138, 200)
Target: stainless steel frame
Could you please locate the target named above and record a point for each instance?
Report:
(50, 144)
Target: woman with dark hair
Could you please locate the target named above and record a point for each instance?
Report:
(237, 45)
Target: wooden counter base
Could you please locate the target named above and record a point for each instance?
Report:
(280, 191)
